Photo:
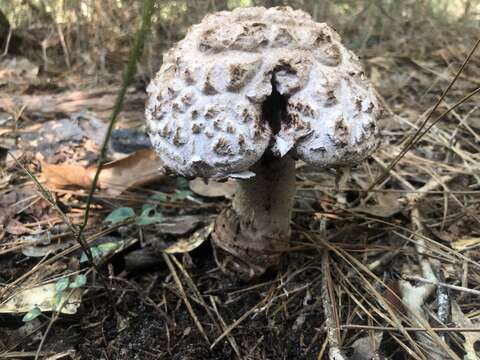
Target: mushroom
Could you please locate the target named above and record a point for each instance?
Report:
(244, 95)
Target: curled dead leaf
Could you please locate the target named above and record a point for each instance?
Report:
(190, 243)
(43, 297)
(136, 169)
(213, 188)
(465, 243)
(388, 205)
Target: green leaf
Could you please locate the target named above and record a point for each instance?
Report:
(182, 183)
(95, 253)
(182, 194)
(108, 247)
(57, 299)
(119, 215)
(80, 281)
(148, 207)
(32, 314)
(160, 197)
(149, 216)
(61, 284)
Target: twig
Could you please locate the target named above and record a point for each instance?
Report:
(230, 338)
(54, 317)
(419, 134)
(7, 42)
(443, 302)
(47, 195)
(229, 329)
(439, 283)
(127, 79)
(180, 287)
(64, 45)
(331, 316)
(409, 329)
(415, 296)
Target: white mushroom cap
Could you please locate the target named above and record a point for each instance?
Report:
(204, 112)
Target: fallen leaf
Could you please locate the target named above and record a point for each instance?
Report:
(65, 175)
(149, 215)
(120, 214)
(17, 70)
(366, 348)
(41, 251)
(465, 243)
(43, 297)
(471, 338)
(179, 225)
(190, 243)
(15, 227)
(139, 168)
(136, 169)
(213, 188)
(388, 205)
(32, 314)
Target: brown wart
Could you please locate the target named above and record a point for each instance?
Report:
(241, 141)
(370, 108)
(322, 38)
(304, 109)
(230, 128)
(246, 116)
(208, 87)
(250, 39)
(240, 74)
(188, 98)
(165, 131)
(196, 128)
(188, 77)
(222, 147)
(330, 55)
(178, 139)
(176, 107)
(217, 124)
(210, 113)
(283, 38)
(358, 104)
(341, 131)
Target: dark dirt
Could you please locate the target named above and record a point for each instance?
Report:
(125, 325)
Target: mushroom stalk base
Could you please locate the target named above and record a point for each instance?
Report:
(253, 235)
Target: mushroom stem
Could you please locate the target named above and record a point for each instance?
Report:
(252, 235)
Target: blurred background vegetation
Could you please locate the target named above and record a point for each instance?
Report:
(97, 34)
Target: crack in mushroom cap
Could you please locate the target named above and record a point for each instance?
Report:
(204, 112)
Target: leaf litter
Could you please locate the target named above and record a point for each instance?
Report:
(388, 250)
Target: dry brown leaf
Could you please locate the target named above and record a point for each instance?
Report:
(179, 225)
(388, 205)
(65, 175)
(136, 169)
(213, 188)
(139, 168)
(190, 243)
(17, 70)
(43, 297)
(465, 243)
(471, 338)
(366, 348)
(15, 227)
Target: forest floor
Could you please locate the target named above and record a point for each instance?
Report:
(371, 274)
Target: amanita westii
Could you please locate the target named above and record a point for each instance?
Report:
(244, 95)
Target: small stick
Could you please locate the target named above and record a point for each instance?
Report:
(439, 283)
(331, 316)
(410, 329)
(184, 296)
